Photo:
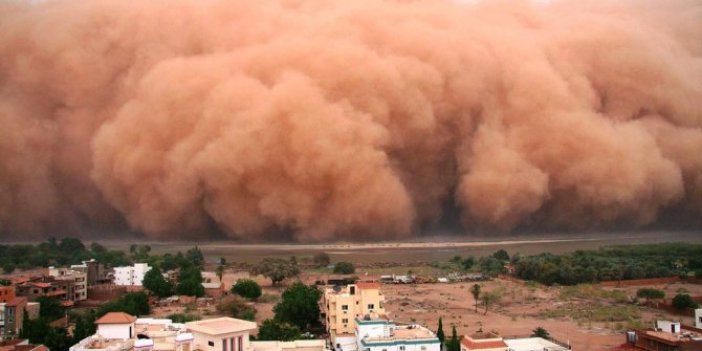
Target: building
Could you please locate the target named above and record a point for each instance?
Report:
(534, 344)
(38, 288)
(95, 272)
(230, 334)
(122, 332)
(698, 318)
(669, 336)
(212, 284)
(483, 342)
(131, 275)
(116, 325)
(381, 334)
(343, 304)
(221, 334)
(492, 342)
(20, 345)
(7, 294)
(74, 282)
(12, 318)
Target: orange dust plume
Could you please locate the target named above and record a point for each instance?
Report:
(318, 120)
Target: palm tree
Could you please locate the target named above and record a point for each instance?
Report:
(475, 290)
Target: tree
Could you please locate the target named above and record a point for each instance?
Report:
(247, 288)
(440, 332)
(650, 294)
(84, 325)
(321, 259)
(272, 329)
(71, 245)
(276, 269)
(156, 283)
(344, 268)
(683, 301)
(136, 304)
(453, 344)
(468, 262)
(491, 266)
(97, 248)
(50, 308)
(540, 333)
(8, 268)
(237, 307)
(475, 291)
(219, 271)
(190, 282)
(488, 299)
(133, 248)
(195, 256)
(299, 306)
(501, 255)
(456, 259)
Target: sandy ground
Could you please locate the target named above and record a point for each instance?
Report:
(424, 248)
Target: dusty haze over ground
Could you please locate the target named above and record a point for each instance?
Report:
(364, 119)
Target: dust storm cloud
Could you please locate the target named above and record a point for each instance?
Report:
(347, 119)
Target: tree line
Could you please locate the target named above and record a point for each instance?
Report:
(611, 264)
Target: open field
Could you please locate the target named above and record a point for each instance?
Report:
(589, 317)
(432, 249)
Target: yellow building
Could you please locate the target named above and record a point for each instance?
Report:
(343, 304)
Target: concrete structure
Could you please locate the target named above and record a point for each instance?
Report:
(483, 342)
(13, 316)
(698, 318)
(20, 345)
(131, 275)
(149, 334)
(343, 304)
(221, 334)
(116, 325)
(7, 294)
(381, 334)
(35, 289)
(533, 344)
(74, 282)
(95, 272)
(669, 336)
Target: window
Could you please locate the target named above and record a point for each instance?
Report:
(371, 306)
(210, 343)
(344, 320)
(424, 348)
(402, 347)
(344, 307)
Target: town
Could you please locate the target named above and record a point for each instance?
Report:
(61, 295)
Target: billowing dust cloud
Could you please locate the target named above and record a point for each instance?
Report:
(358, 119)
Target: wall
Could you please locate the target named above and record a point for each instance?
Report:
(200, 341)
(115, 331)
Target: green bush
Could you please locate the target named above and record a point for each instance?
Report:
(344, 268)
(247, 288)
(683, 301)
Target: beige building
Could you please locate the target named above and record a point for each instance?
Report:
(343, 304)
(78, 278)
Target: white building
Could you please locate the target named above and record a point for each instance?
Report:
(698, 318)
(533, 344)
(230, 334)
(116, 325)
(122, 332)
(131, 275)
(381, 334)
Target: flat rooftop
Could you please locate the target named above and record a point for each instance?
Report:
(410, 332)
(218, 326)
(529, 344)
